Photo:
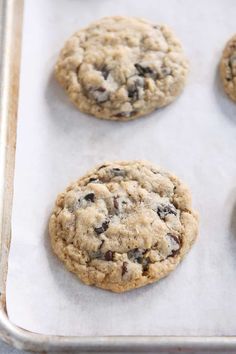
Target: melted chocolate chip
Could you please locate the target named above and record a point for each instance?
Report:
(136, 255)
(103, 228)
(90, 197)
(145, 263)
(164, 210)
(143, 70)
(124, 268)
(177, 245)
(105, 72)
(93, 180)
(77, 70)
(109, 256)
(101, 89)
(115, 202)
(118, 172)
(133, 93)
(100, 94)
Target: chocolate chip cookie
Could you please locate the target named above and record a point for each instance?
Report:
(123, 225)
(228, 68)
(121, 68)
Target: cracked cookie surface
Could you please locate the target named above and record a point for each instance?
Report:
(123, 225)
(120, 68)
(228, 68)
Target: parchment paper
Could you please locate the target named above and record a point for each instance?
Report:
(195, 137)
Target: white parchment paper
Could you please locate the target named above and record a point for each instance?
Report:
(195, 137)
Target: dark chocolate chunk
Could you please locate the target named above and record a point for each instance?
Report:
(77, 70)
(136, 255)
(115, 202)
(101, 89)
(165, 209)
(145, 263)
(105, 72)
(103, 228)
(109, 256)
(133, 93)
(118, 172)
(178, 244)
(100, 94)
(134, 85)
(90, 197)
(124, 268)
(93, 180)
(143, 70)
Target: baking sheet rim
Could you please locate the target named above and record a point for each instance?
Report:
(11, 21)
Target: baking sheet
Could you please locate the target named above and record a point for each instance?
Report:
(195, 137)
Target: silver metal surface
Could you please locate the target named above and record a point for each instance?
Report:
(11, 12)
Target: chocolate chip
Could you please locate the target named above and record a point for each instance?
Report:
(145, 263)
(133, 93)
(77, 70)
(90, 197)
(100, 94)
(93, 180)
(134, 86)
(105, 72)
(103, 228)
(143, 70)
(115, 202)
(124, 268)
(109, 256)
(165, 209)
(136, 255)
(175, 244)
(101, 89)
(118, 172)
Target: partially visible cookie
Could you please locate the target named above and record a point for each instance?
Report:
(228, 68)
(123, 225)
(121, 68)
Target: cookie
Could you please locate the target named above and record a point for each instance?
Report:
(123, 225)
(120, 68)
(228, 68)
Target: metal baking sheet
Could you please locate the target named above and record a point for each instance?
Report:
(194, 137)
